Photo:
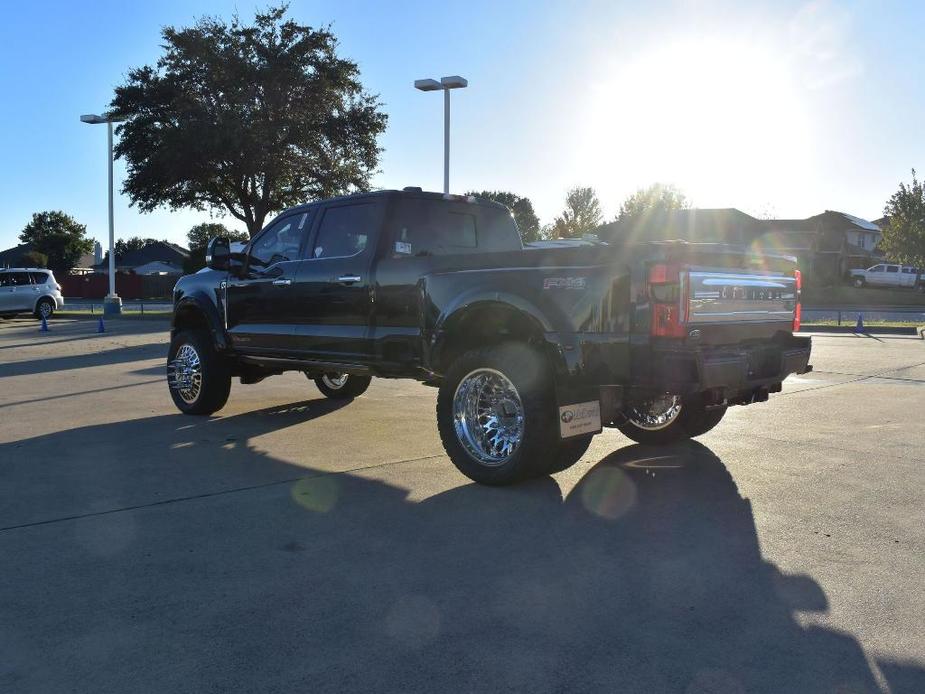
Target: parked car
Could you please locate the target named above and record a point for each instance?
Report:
(888, 275)
(29, 290)
(533, 350)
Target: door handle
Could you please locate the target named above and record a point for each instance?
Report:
(349, 279)
(283, 282)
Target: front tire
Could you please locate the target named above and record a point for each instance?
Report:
(668, 419)
(340, 386)
(198, 377)
(859, 283)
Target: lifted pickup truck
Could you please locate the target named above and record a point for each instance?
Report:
(533, 350)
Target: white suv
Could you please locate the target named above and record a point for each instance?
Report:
(29, 290)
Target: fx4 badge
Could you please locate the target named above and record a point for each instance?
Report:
(565, 283)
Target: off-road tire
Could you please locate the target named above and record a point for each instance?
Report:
(568, 453)
(707, 420)
(693, 420)
(354, 387)
(527, 369)
(216, 374)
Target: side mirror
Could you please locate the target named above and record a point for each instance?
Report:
(218, 253)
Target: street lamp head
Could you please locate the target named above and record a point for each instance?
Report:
(427, 85)
(454, 82)
(94, 119)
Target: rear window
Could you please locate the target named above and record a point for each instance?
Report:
(422, 227)
(39, 277)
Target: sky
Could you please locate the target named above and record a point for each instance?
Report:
(780, 109)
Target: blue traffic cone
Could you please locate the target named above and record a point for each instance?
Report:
(101, 327)
(44, 328)
(859, 327)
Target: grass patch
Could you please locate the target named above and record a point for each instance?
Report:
(130, 315)
(867, 324)
(821, 297)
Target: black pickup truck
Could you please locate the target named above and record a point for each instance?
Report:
(533, 350)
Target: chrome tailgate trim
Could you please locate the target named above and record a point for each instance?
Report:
(720, 296)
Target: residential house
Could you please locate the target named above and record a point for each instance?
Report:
(827, 245)
(13, 257)
(156, 258)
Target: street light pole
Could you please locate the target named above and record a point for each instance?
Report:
(112, 296)
(446, 141)
(445, 84)
(112, 305)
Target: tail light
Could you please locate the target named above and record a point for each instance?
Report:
(797, 308)
(669, 306)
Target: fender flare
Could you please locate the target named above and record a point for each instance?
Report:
(473, 300)
(200, 304)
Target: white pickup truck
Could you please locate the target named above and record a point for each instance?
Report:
(885, 275)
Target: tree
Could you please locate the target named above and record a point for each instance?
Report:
(520, 207)
(647, 202)
(904, 232)
(59, 237)
(582, 214)
(135, 243)
(199, 235)
(246, 119)
(33, 259)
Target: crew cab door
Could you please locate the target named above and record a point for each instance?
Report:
(260, 306)
(334, 287)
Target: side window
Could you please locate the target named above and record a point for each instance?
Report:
(425, 227)
(18, 279)
(345, 231)
(877, 268)
(278, 243)
(39, 277)
(4, 279)
(892, 268)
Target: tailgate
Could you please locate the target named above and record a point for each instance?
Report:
(716, 295)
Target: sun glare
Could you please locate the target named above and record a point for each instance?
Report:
(717, 118)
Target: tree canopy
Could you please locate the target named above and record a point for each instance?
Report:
(904, 232)
(520, 207)
(135, 243)
(582, 214)
(199, 235)
(247, 119)
(59, 237)
(649, 201)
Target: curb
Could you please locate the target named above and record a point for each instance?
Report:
(911, 330)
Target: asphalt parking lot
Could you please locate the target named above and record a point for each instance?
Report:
(292, 544)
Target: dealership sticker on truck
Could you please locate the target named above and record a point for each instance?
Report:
(580, 418)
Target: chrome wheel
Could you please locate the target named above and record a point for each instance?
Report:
(656, 413)
(184, 373)
(335, 381)
(488, 416)
(45, 310)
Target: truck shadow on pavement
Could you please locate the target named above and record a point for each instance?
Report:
(184, 558)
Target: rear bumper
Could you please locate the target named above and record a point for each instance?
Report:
(732, 373)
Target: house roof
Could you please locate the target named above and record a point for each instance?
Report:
(12, 256)
(162, 251)
(698, 224)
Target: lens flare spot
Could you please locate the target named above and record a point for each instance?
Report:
(413, 621)
(608, 492)
(317, 494)
(184, 444)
